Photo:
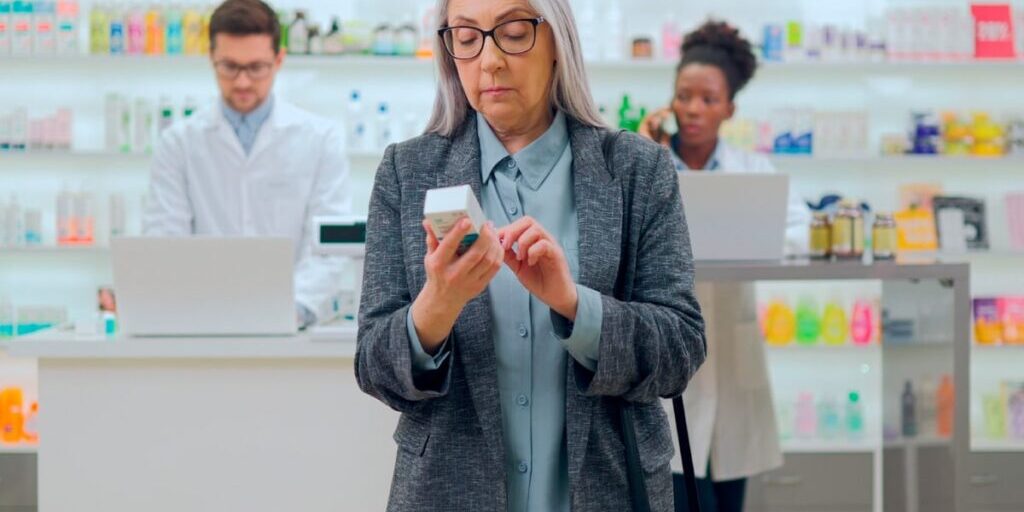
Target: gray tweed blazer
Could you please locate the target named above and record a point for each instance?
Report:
(633, 248)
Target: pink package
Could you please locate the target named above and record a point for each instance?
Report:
(1015, 219)
(1011, 315)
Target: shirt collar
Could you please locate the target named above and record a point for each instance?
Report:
(714, 163)
(255, 119)
(535, 161)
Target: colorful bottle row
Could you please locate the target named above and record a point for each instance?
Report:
(19, 132)
(952, 134)
(44, 27)
(999, 320)
(17, 419)
(826, 418)
(927, 410)
(133, 124)
(25, 320)
(155, 30)
(808, 324)
(1003, 411)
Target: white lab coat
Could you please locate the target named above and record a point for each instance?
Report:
(203, 183)
(729, 409)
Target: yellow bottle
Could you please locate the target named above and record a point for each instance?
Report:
(204, 34)
(779, 324)
(12, 416)
(835, 327)
(192, 24)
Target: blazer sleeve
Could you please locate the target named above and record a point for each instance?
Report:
(384, 359)
(652, 344)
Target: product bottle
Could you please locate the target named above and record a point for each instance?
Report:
(33, 227)
(298, 35)
(166, 114)
(125, 128)
(174, 41)
(144, 127)
(808, 322)
(316, 41)
(806, 416)
(383, 126)
(19, 129)
(779, 324)
(15, 231)
(189, 108)
(136, 41)
(5, 28)
(834, 325)
(334, 44)
(1016, 410)
(67, 27)
(44, 22)
(828, 418)
(117, 31)
(21, 24)
(355, 122)
(154, 32)
(192, 26)
(67, 226)
(99, 30)
(862, 326)
(117, 215)
(86, 219)
(406, 40)
(383, 40)
(927, 410)
(994, 415)
(945, 398)
(31, 430)
(282, 21)
(204, 34)
(854, 416)
(908, 408)
(12, 419)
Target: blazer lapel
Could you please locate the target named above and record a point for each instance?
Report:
(474, 341)
(598, 198)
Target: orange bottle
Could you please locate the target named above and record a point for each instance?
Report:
(945, 400)
(31, 430)
(12, 417)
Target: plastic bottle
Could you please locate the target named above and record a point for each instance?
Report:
(154, 32)
(99, 30)
(334, 43)
(834, 325)
(33, 227)
(927, 410)
(828, 418)
(204, 33)
(282, 20)
(19, 129)
(316, 41)
(166, 114)
(117, 215)
(1016, 412)
(67, 225)
(356, 123)
(908, 411)
(21, 24)
(136, 22)
(298, 35)
(779, 324)
(86, 218)
(383, 125)
(5, 28)
(117, 31)
(67, 27)
(806, 416)
(862, 326)
(144, 125)
(15, 231)
(192, 27)
(12, 419)
(808, 322)
(854, 416)
(945, 403)
(31, 429)
(44, 21)
(174, 41)
(406, 39)
(189, 108)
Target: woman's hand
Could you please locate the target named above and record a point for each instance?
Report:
(452, 280)
(540, 265)
(651, 127)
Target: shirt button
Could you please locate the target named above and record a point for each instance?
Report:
(511, 164)
(523, 467)
(523, 331)
(522, 400)
(513, 209)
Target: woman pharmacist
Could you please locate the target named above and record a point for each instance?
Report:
(729, 401)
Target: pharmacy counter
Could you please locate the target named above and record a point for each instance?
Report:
(280, 424)
(207, 425)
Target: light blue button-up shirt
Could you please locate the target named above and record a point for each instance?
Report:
(532, 342)
(714, 163)
(247, 126)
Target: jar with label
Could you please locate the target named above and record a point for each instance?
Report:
(883, 236)
(848, 232)
(820, 237)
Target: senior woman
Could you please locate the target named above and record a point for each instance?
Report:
(509, 362)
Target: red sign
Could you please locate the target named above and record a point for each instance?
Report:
(993, 31)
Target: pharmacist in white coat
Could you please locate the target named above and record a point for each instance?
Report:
(252, 165)
(729, 401)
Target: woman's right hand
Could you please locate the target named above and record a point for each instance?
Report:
(651, 127)
(453, 280)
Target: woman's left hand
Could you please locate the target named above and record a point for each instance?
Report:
(540, 265)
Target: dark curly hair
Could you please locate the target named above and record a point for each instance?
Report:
(716, 43)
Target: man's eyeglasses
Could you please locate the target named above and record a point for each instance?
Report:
(231, 70)
(512, 37)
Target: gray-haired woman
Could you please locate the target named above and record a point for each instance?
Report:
(509, 362)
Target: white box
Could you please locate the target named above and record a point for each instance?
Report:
(445, 207)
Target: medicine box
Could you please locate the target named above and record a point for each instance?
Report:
(445, 207)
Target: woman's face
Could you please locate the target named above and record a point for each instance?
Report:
(509, 90)
(701, 103)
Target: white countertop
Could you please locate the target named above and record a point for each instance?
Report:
(334, 342)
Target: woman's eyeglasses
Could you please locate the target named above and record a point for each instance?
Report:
(512, 37)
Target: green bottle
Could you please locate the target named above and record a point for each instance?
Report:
(808, 323)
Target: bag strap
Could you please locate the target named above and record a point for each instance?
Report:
(634, 470)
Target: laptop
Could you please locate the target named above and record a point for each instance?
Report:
(736, 217)
(205, 286)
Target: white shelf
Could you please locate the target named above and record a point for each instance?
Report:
(821, 347)
(54, 249)
(880, 164)
(917, 442)
(6, 449)
(997, 445)
(838, 445)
